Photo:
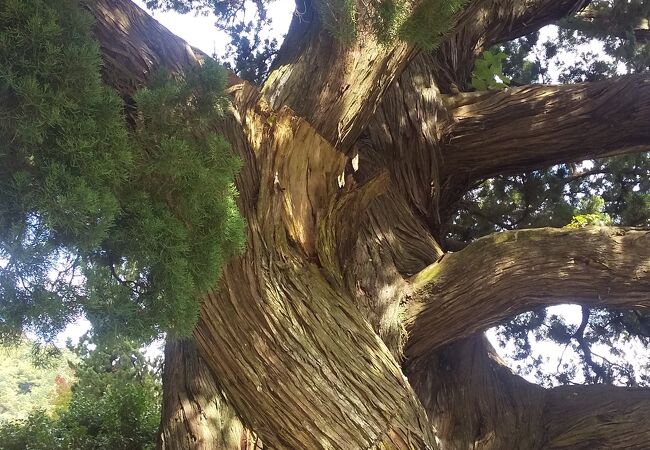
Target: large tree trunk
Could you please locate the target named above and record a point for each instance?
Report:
(344, 324)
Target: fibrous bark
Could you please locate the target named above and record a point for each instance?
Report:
(518, 271)
(335, 85)
(487, 22)
(475, 401)
(520, 129)
(195, 416)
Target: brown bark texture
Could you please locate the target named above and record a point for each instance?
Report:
(517, 271)
(195, 416)
(344, 325)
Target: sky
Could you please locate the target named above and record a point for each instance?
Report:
(200, 32)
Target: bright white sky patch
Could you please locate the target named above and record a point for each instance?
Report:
(199, 31)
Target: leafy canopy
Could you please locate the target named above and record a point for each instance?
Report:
(126, 224)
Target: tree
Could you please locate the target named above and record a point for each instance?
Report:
(112, 404)
(347, 322)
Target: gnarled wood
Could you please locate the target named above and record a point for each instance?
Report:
(486, 22)
(597, 417)
(334, 84)
(279, 333)
(476, 402)
(281, 336)
(304, 332)
(516, 271)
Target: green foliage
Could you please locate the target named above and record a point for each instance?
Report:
(126, 226)
(339, 18)
(25, 385)
(423, 25)
(615, 24)
(590, 213)
(250, 53)
(488, 71)
(388, 20)
(428, 23)
(114, 405)
(598, 192)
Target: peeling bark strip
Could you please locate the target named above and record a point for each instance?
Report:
(281, 335)
(504, 274)
(524, 128)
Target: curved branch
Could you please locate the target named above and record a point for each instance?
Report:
(487, 22)
(476, 401)
(134, 45)
(405, 130)
(526, 128)
(515, 271)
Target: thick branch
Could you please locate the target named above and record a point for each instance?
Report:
(537, 126)
(597, 417)
(475, 401)
(405, 130)
(133, 45)
(516, 271)
(334, 85)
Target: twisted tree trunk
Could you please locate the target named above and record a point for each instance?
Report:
(344, 324)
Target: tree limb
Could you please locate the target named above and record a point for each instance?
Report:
(333, 84)
(532, 127)
(404, 132)
(475, 401)
(486, 22)
(516, 271)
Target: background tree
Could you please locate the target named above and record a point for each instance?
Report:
(113, 402)
(346, 306)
